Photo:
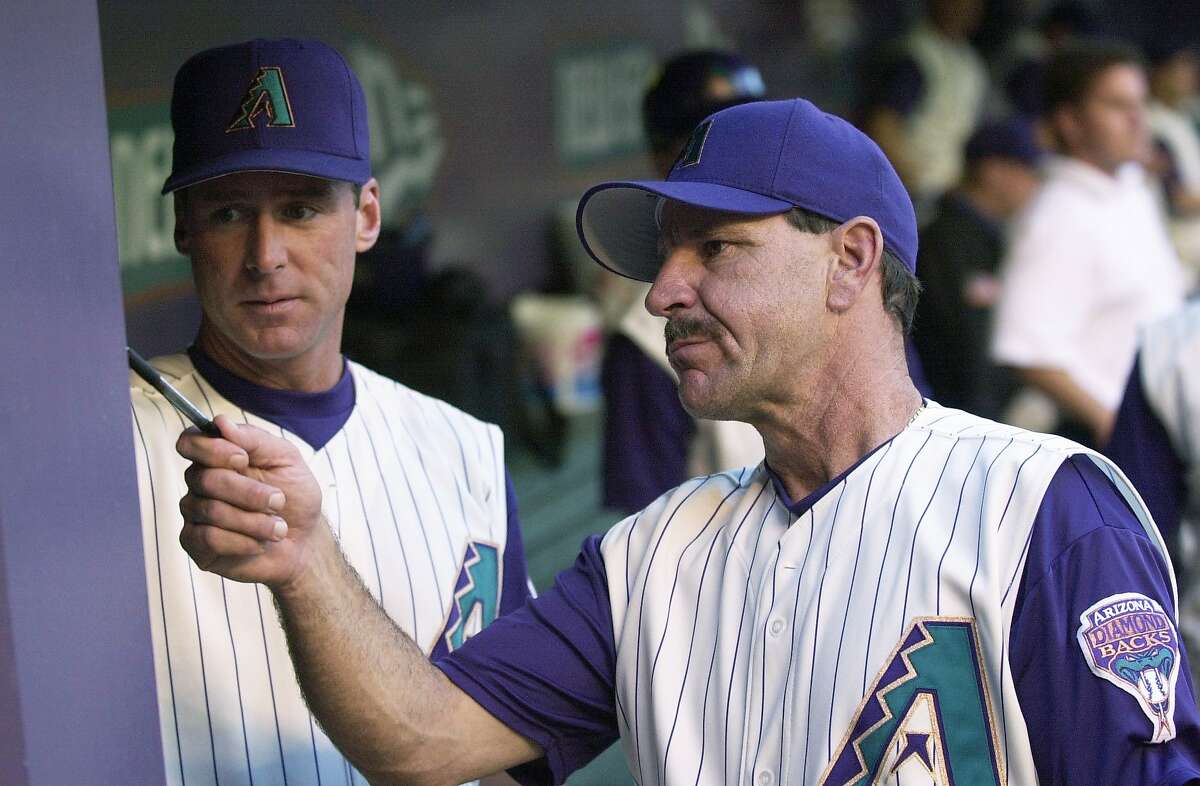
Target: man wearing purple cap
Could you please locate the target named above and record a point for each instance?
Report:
(899, 593)
(273, 199)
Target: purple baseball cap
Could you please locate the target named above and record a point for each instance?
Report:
(282, 105)
(757, 159)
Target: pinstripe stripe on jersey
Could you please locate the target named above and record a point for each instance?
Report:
(451, 557)
(621, 714)
(199, 635)
(695, 621)
(628, 577)
(983, 490)
(787, 682)
(637, 669)
(462, 454)
(204, 677)
(738, 640)
(879, 580)
(862, 524)
(762, 707)
(232, 644)
(396, 522)
(337, 497)
(674, 587)
(262, 626)
(312, 732)
(954, 526)
(912, 548)
(812, 671)
(237, 681)
(366, 517)
(161, 602)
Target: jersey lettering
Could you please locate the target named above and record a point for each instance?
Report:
(1129, 641)
(476, 594)
(928, 713)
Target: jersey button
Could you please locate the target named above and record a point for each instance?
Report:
(777, 627)
(764, 778)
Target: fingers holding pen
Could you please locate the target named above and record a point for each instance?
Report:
(223, 451)
(261, 525)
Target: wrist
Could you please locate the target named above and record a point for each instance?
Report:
(319, 558)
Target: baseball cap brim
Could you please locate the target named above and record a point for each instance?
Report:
(618, 221)
(297, 162)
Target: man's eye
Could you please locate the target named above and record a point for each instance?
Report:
(226, 215)
(713, 248)
(299, 212)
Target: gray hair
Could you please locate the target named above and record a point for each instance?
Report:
(900, 286)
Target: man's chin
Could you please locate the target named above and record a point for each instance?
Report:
(701, 401)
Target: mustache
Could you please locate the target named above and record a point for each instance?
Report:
(690, 327)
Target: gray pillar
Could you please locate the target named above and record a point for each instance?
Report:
(76, 672)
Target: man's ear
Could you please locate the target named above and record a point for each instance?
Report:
(368, 217)
(182, 240)
(858, 245)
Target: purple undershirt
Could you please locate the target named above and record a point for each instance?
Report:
(317, 417)
(548, 670)
(314, 417)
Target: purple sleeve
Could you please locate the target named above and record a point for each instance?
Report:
(1142, 449)
(647, 432)
(546, 671)
(515, 588)
(1087, 545)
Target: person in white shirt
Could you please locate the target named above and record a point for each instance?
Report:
(1090, 259)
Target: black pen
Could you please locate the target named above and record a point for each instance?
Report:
(177, 399)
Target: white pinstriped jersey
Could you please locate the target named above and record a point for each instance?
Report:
(895, 589)
(415, 492)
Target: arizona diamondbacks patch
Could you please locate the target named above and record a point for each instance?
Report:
(1128, 640)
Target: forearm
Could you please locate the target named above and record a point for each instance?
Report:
(372, 689)
(1072, 398)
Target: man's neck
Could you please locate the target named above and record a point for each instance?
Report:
(314, 372)
(856, 404)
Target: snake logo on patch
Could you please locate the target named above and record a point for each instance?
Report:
(1128, 640)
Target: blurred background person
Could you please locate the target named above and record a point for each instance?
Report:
(650, 443)
(1021, 67)
(1173, 75)
(958, 265)
(927, 98)
(1090, 259)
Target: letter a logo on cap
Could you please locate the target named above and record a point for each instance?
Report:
(690, 155)
(268, 94)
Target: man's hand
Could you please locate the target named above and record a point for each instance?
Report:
(253, 508)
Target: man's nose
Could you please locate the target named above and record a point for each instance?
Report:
(268, 249)
(673, 288)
